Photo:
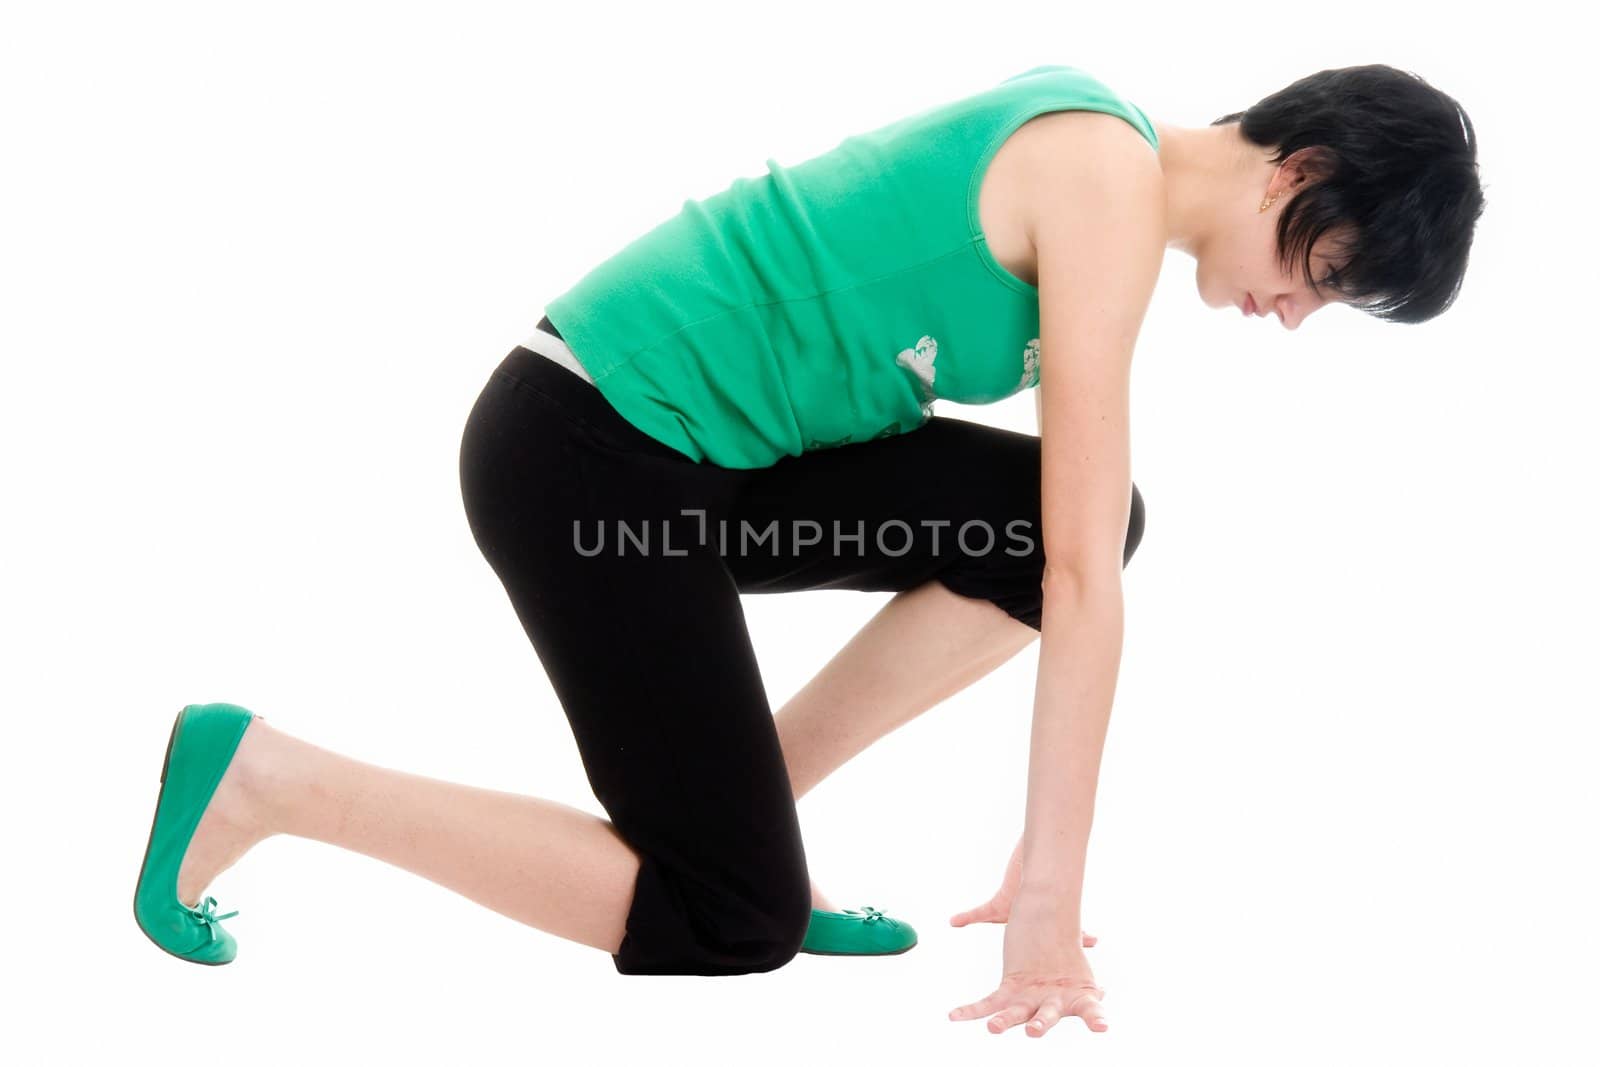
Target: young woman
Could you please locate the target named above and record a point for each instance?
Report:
(740, 402)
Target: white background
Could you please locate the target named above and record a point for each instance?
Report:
(259, 260)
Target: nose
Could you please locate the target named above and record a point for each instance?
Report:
(1293, 309)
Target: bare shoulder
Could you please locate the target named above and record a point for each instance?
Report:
(1083, 137)
(1095, 207)
(1099, 233)
(1077, 161)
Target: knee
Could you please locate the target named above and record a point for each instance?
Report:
(724, 922)
(785, 907)
(1135, 525)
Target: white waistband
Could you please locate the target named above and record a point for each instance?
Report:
(555, 349)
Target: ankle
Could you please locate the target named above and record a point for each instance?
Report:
(264, 764)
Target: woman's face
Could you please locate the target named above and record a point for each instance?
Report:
(1241, 268)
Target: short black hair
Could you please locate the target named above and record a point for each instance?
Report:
(1397, 177)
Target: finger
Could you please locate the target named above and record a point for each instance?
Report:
(981, 914)
(978, 1007)
(1012, 1015)
(1049, 1012)
(1087, 1006)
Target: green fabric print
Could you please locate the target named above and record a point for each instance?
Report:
(1030, 365)
(919, 361)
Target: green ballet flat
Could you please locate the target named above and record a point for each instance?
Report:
(868, 932)
(203, 741)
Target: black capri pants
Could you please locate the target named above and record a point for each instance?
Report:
(625, 560)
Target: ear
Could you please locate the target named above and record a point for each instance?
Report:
(1303, 168)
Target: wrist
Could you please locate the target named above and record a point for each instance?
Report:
(1057, 904)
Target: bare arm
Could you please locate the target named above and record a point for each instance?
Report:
(1099, 240)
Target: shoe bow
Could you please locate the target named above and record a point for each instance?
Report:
(869, 914)
(206, 915)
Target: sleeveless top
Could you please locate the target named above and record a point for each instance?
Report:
(827, 302)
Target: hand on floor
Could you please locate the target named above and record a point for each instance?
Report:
(997, 909)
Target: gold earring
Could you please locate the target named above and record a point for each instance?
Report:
(1265, 204)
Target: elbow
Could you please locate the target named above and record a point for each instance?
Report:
(1079, 579)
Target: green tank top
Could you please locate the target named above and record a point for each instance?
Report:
(831, 301)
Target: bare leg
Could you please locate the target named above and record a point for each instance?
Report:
(924, 646)
(537, 861)
(552, 866)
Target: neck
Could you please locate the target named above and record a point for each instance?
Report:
(1209, 171)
